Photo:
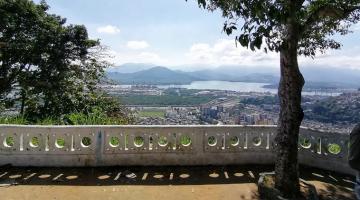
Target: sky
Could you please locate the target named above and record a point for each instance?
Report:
(179, 35)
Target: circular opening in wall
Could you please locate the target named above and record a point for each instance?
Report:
(9, 142)
(86, 142)
(234, 141)
(114, 142)
(34, 142)
(212, 141)
(60, 143)
(256, 141)
(138, 141)
(305, 143)
(185, 140)
(334, 148)
(162, 141)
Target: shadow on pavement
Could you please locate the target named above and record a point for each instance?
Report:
(329, 185)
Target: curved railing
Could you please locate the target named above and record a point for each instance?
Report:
(163, 145)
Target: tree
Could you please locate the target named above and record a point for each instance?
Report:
(19, 22)
(67, 71)
(292, 28)
(48, 66)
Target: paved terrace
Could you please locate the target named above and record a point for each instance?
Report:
(154, 183)
(158, 162)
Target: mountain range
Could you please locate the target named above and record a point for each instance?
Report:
(154, 76)
(164, 76)
(138, 73)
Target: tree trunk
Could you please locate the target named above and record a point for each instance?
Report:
(23, 100)
(291, 115)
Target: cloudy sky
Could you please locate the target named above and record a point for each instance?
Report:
(177, 33)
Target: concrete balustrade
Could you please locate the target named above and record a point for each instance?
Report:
(72, 146)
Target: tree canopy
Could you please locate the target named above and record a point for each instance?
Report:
(47, 67)
(264, 21)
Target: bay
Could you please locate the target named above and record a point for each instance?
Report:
(237, 87)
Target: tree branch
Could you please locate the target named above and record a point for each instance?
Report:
(337, 13)
(2, 44)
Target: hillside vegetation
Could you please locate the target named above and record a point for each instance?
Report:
(343, 108)
(50, 69)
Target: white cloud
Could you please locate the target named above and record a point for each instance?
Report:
(109, 29)
(345, 59)
(149, 57)
(225, 52)
(118, 58)
(137, 45)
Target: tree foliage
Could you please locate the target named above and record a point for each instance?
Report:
(340, 109)
(47, 67)
(263, 22)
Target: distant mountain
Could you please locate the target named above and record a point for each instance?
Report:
(163, 75)
(315, 76)
(234, 77)
(340, 75)
(247, 70)
(155, 75)
(131, 67)
(209, 75)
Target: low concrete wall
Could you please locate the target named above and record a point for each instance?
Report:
(71, 146)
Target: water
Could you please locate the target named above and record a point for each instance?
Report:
(223, 85)
(235, 86)
(239, 87)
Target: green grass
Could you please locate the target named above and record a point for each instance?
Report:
(96, 118)
(152, 113)
(13, 120)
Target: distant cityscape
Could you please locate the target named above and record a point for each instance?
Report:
(153, 105)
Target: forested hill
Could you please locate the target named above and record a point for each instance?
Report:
(343, 108)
